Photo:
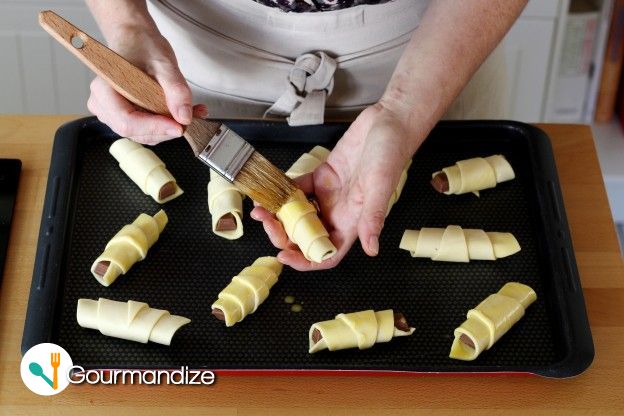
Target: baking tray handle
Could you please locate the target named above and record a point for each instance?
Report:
(580, 346)
(44, 293)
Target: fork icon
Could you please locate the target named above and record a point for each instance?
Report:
(55, 361)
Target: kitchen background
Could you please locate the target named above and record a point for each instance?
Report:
(564, 59)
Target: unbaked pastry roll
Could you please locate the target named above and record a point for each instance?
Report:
(490, 320)
(128, 246)
(225, 203)
(146, 170)
(454, 243)
(304, 228)
(473, 175)
(397, 192)
(247, 290)
(358, 329)
(308, 162)
(134, 321)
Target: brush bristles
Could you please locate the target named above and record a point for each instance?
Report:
(259, 179)
(263, 182)
(199, 133)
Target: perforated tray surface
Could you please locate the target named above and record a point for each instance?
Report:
(89, 199)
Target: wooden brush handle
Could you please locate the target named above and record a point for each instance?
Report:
(128, 80)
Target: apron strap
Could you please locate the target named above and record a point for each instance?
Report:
(310, 82)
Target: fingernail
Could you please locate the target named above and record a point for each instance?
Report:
(254, 215)
(185, 114)
(373, 245)
(174, 132)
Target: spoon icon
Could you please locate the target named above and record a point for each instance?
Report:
(36, 370)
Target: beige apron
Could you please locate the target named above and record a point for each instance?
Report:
(244, 59)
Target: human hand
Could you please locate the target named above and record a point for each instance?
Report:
(352, 188)
(150, 51)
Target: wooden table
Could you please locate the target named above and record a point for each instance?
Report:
(600, 390)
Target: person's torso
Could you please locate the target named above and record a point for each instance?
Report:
(243, 51)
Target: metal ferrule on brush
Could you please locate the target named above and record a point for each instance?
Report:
(226, 153)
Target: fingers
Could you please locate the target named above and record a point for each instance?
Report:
(272, 227)
(305, 183)
(200, 111)
(291, 255)
(177, 92)
(130, 121)
(260, 214)
(295, 258)
(127, 120)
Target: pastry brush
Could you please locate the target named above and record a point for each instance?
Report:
(212, 142)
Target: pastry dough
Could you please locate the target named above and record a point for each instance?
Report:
(128, 246)
(144, 168)
(134, 321)
(308, 162)
(490, 320)
(474, 175)
(454, 243)
(225, 198)
(304, 228)
(358, 329)
(397, 192)
(247, 290)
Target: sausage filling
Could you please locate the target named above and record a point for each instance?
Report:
(467, 340)
(167, 190)
(218, 313)
(102, 267)
(440, 182)
(226, 223)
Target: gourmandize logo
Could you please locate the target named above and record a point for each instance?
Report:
(44, 369)
(47, 369)
(55, 361)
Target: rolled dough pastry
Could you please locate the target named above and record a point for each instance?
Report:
(134, 321)
(454, 243)
(474, 175)
(225, 199)
(146, 170)
(308, 162)
(304, 228)
(490, 320)
(128, 246)
(358, 329)
(247, 290)
(397, 192)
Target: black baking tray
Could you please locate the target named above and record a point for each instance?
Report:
(89, 198)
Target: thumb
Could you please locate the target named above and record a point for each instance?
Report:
(378, 180)
(373, 215)
(177, 93)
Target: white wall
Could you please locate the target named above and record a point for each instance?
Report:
(37, 75)
(40, 76)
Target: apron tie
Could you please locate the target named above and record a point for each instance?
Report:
(311, 81)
